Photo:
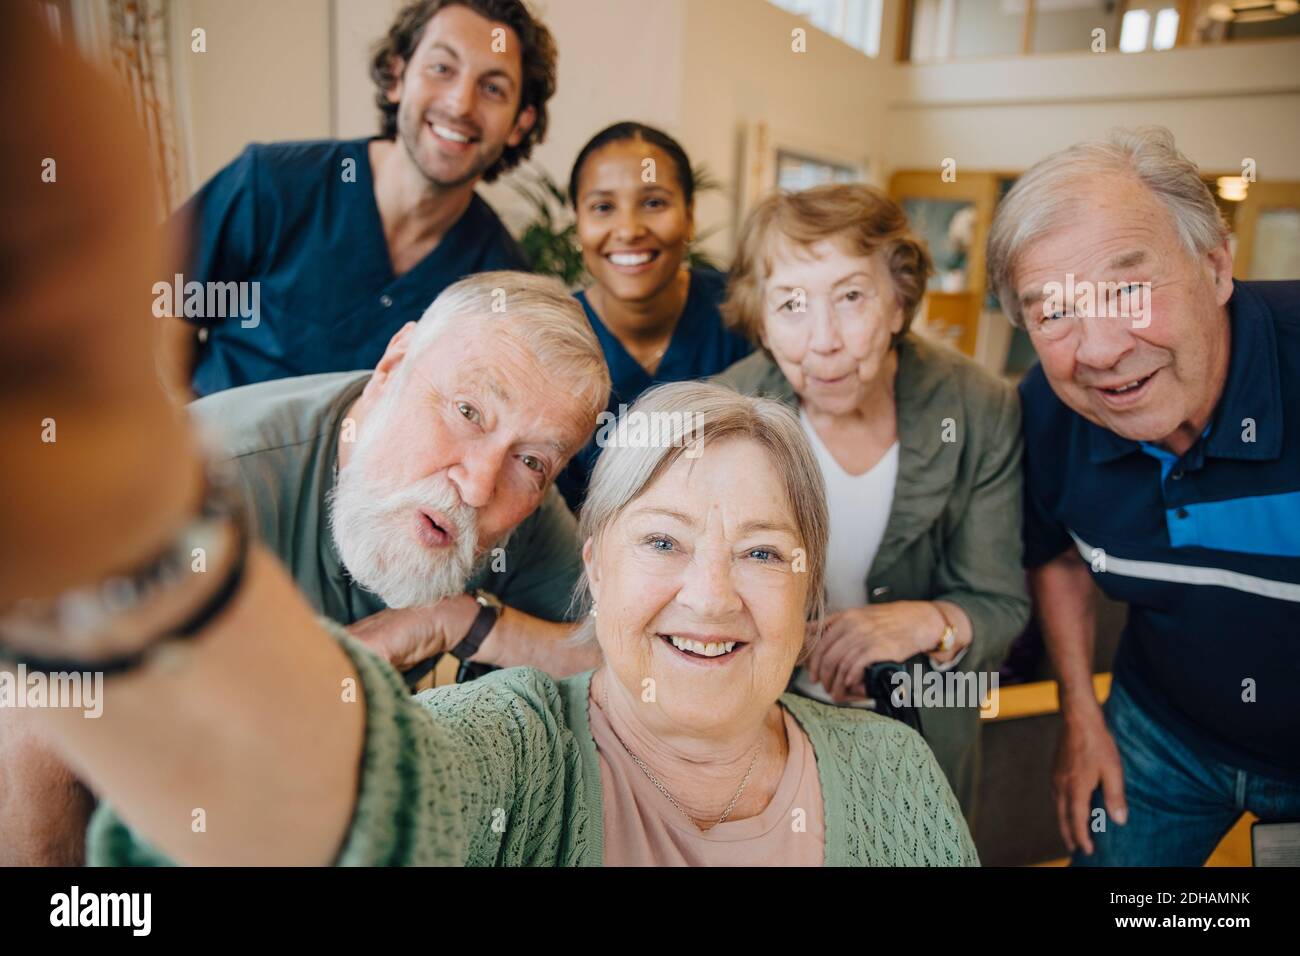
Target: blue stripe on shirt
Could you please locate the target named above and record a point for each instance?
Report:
(1262, 524)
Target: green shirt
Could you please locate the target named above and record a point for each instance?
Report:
(503, 771)
(282, 439)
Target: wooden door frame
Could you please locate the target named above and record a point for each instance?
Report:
(1259, 195)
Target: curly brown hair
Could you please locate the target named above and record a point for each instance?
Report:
(538, 54)
(861, 216)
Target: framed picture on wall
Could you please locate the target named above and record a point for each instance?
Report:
(795, 171)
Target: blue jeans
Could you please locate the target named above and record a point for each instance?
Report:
(1180, 804)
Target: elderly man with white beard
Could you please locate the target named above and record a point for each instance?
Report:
(415, 503)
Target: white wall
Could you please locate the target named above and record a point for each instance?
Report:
(618, 60)
(265, 76)
(1222, 104)
(706, 70)
(739, 68)
(358, 25)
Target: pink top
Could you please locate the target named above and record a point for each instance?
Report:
(642, 828)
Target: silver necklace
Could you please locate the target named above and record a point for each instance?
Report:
(664, 790)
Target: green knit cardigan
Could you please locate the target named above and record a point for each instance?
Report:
(503, 771)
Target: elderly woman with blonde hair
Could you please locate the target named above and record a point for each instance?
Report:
(704, 559)
(919, 448)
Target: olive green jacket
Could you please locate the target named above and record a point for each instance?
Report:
(954, 529)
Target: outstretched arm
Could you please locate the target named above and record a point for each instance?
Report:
(103, 473)
(262, 695)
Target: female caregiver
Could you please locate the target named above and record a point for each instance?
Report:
(657, 321)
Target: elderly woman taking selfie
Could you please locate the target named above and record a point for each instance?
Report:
(919, 448)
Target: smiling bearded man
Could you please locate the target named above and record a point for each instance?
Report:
(345, 241)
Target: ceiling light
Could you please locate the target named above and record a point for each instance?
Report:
(1231, 188)
(1252, 11)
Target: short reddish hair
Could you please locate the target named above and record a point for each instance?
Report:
(861, 217)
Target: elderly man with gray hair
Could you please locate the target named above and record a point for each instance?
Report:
(416, 502)
(1162, 463)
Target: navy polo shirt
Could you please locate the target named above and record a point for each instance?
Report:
(301, 220)
(701, 346)
(1204, 547)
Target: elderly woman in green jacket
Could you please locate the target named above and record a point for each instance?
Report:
(704, 558)
(919, 447)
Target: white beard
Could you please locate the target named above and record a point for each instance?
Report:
(372, 523)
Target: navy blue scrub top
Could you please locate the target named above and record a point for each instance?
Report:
(302, 221)
(701, 346)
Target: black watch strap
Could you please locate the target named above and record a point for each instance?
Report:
(484, 621)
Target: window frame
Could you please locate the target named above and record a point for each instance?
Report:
(903, 50)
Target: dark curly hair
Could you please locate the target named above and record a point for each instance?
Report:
(538, 54)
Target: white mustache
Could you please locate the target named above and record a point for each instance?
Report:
(433, 494)
(373, 534)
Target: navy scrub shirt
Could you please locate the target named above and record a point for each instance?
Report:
(701, 346)
(301, 220)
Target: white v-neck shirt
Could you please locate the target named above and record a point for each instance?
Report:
(859, 508)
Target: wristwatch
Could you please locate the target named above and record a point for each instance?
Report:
(489, 609)
(949, 635)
